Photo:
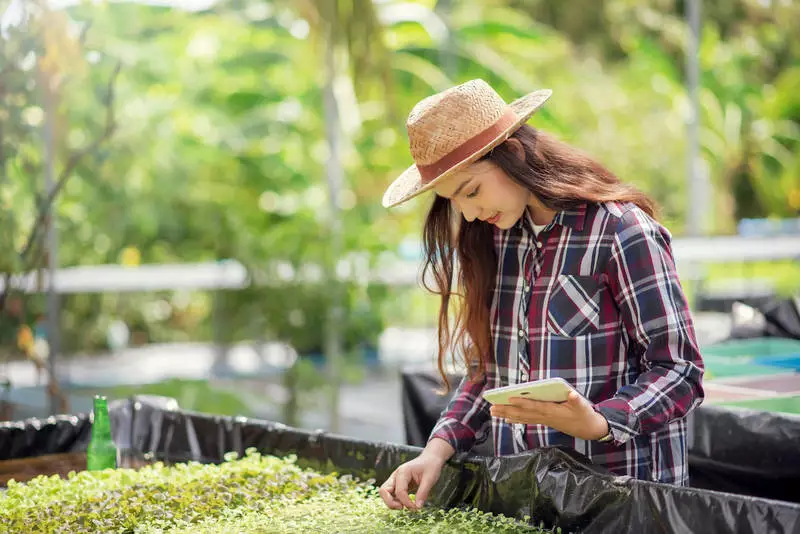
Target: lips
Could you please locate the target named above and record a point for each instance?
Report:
(493, 219)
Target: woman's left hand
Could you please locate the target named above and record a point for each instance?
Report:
(575, 417)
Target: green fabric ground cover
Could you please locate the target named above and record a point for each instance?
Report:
(254, 494)
(789, 404)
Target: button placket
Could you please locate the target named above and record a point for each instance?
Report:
(524, 366)
(523, 348)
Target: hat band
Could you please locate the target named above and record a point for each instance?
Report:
(469, 147)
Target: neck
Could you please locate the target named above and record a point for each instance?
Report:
(539, 213)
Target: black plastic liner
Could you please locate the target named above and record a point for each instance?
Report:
(556, 486)
(776, 318)
(36, 437)
(730, 449)
(422, 404)
(70, 433)
(747, 452)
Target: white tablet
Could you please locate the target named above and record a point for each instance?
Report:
(547, 390)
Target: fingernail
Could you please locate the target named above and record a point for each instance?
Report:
(420, 504)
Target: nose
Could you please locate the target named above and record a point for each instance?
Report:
(468, 211)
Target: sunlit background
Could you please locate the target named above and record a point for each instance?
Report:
(215, 170)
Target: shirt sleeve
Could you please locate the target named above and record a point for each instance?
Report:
(656, 316)
(466, 417)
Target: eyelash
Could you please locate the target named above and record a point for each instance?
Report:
(474, 193)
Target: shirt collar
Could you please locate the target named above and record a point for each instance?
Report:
(573, 217)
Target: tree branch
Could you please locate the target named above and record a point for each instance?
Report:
(6, 289)
(84, 33)
(75, 158)
(73, 161)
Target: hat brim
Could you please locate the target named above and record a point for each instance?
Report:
(409, 184)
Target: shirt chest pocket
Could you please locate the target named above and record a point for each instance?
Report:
(573, 308)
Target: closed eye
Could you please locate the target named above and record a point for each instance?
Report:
(474, 192)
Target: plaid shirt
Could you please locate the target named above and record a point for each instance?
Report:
(593, 299)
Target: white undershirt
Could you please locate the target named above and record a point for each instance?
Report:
(536, 227)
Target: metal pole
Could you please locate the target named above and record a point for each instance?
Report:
(447, 46)
(695, 188)
(51, 236)
(335, 175)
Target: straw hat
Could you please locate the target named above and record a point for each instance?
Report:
(454, 128)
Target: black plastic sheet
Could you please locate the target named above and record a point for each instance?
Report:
(734, 450)
(36, 437)
(776, 318)
(747, 452)
(70, 433)
(422, 405)
(553, 485)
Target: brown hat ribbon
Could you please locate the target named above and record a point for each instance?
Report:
(467, 148)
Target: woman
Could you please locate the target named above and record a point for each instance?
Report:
(564, 273)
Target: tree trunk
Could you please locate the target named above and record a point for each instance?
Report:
(335, 319)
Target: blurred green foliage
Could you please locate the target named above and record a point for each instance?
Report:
(220, 148)
(195, 395)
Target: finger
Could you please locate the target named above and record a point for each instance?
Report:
(529, 404)
(389, 500)
(519, 401)
(530, 412)
(401, 490)
(520, 418)
(530, 408)
(503, 410)
(508, 412)
(386, 492)
(576, 402)
(429, 478)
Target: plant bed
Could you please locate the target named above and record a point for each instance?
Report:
(556, 486)
(60, 465)
(253, 494)
(25, 469)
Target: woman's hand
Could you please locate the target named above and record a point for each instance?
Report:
(575, 417)
(421, 474)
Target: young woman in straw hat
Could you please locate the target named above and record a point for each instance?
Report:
(562, 272)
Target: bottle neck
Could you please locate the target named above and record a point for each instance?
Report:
(101, 424)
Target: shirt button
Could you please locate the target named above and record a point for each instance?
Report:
(538, 244)
(521, 332)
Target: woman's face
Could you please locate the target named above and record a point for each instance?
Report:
(484, 191)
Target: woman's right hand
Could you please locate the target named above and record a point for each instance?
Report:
(419, 474)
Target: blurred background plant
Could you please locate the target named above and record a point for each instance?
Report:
(265, 131)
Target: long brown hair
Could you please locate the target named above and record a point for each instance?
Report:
(561, 177)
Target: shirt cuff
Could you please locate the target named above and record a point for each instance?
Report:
(622, 422)
(457, 434)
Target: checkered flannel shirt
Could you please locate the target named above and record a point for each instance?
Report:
(594, 298)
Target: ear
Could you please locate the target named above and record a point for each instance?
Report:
(515, 147)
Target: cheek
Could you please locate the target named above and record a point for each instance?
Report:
(513, 200)
(498, 199)
(513, 205)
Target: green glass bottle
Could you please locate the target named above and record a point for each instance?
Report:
(102, 453)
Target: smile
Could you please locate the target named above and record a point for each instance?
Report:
(494, 219)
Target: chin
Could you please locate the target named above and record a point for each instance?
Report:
(507, 222)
